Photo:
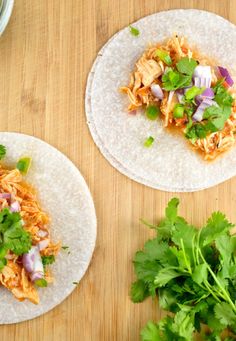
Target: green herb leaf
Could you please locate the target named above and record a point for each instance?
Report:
(193, 92)
(193, 273)
(47, 260)
(139, 291)
(164, 56)
(222, 95)
(186, 66)
(224, 313)
(165, 275)
(151, 332)
(172, 209)
(149, 141)
(173, 80)
(152, 112)
(200, 273)
(2, 151)
(41, 283)
(24, 164)
(134, 31)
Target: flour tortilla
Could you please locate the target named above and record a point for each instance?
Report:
(170, 164)
(64, 195)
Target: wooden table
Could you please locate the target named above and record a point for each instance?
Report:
(45, 55)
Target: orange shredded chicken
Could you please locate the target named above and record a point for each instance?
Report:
(13, 276)
(148, 71)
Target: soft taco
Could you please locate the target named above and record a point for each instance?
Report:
(47, 227)
(184, 82)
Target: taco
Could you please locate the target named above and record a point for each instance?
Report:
(180, 100)
(47, 227)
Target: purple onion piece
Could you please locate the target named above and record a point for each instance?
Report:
(157, 91)
(202, 71)
(28, 259)
(208, 92)
(42, 233)
(180, 97)
(36, 275)
(43, 244)
(32, 263)
(15, 207)
(171, 94)
(201, 82)
(225, 73)
(133, 112)
(202, 76)
(5, 196)
(198, 115)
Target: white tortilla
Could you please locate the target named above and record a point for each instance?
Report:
(170, 164)
(6, 7)
(64, 195)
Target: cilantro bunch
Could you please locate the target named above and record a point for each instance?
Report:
(12, 236)
(193, 272)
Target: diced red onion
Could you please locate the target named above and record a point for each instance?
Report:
(198, 115)
(43, 244)
(225, 73)
(202, 76)
(28, 259)
(5, 196)
(207, 93)
(171, 94)
(36, 275)
(202, 71)
(201, 82)
(157, 91)
(15, 207)
(42, 233)
(32, 263)
(180, 97)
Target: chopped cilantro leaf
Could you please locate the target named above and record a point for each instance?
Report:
(192, 92)
(173, 80)
(24, 164)
(2, 151)
(65, 247)
(12, 236)
(47, 260)
(222, 96)
(41, 283)
(134, 31)
(186, 66)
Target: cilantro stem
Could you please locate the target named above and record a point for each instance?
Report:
(194, 257)
(151, 226)
(185, 258)
(226, 295)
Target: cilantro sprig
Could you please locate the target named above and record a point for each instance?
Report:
(193, 272)
(12, 235)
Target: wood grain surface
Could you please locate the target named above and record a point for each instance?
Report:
(46, 53)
